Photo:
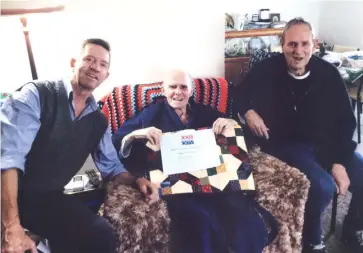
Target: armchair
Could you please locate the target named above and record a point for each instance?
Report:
(281, 189)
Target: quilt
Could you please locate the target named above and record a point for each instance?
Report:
(234, 173)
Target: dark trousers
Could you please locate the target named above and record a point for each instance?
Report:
(68, 223)
(322, 186)
(212, 224)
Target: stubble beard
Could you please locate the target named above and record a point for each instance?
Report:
(85, 87)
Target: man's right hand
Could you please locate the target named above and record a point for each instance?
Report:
(152, 134)
(148, 189)
(256, 124)
(14, 240)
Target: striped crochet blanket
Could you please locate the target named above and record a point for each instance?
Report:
(125, 101)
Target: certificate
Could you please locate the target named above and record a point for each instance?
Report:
(188, 151)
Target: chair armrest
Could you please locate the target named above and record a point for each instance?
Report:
(137, 224)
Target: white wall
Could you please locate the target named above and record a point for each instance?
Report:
(14, 64)
(146, 37)
(288, 9)
(340, 22)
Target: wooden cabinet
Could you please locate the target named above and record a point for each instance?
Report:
(236, 68)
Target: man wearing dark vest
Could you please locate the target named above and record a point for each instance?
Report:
(297, 106)
(49, 128)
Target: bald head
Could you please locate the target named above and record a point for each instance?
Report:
(178, 88)
(177, 76)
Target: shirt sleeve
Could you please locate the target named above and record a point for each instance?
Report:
(106, 158)
(214, 114)
(337, 139)
(128, 127)
(20, 122)
(125, 151)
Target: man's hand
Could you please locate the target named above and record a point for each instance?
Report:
(14, 240)
(13, 237)
(149, 190)
(152, 134)
(341, 178)
(256, 124)
(221, 123)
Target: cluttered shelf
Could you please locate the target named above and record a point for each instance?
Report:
(253, 33)
(240, 44)
(236, 59)
(245, 34)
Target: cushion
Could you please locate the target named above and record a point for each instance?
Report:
(125, 101)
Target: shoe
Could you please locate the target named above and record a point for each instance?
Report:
(315, 249)
(354, 240)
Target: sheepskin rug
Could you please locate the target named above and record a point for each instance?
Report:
(282, 190)
(139, 227)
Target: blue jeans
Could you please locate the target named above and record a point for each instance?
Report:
(322, 186)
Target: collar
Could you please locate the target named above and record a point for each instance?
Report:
(68, 87)
(309, 68)
(190, 106)
(69, 90)
(299, 77)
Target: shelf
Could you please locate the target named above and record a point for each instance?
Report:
(253, 33)
(237, 59)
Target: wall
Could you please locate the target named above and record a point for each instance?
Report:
(340, 22)
(288, 9)
(14, 65)
(147, 37)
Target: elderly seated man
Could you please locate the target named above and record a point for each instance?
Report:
(297, 106)
(198, 219)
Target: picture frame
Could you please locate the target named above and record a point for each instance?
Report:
(275, 17)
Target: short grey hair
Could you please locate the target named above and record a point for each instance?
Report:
(293, 22)
(188, 76)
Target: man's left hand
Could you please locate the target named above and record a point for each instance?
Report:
(221, 123)
(341, 178)
(148, 189)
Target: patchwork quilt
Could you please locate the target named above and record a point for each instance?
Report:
(234, 173)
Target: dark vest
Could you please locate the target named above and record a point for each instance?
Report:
(61, 145)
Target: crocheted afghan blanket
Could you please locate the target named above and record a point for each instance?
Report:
(125, 101)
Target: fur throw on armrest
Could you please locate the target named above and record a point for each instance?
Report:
(139, 227)
(282, 190)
